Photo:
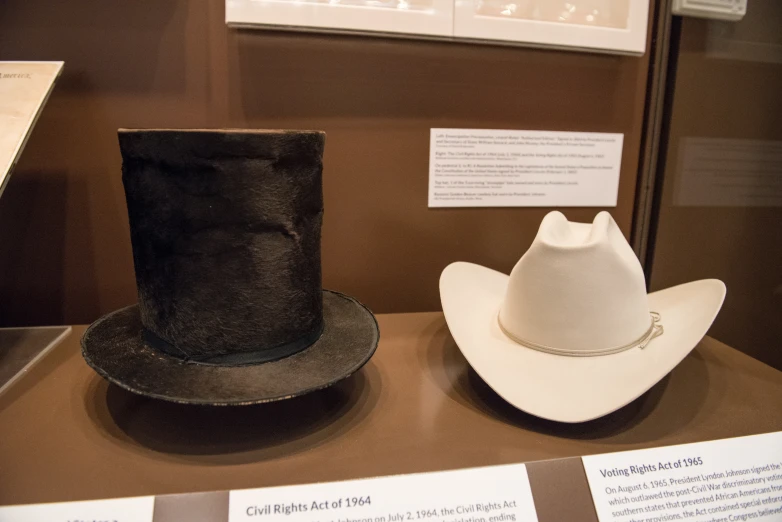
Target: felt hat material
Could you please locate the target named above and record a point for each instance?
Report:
(118, 352)
(225, 228)
(571, 334)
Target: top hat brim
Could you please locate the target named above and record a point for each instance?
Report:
(114, 346)
(563, 388)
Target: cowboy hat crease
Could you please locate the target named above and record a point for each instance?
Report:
(571, 334)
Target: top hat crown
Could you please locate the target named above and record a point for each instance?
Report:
(225, 229)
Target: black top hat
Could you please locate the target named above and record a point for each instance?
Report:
(225, 229)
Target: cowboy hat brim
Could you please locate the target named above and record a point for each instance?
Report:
(115, 348)
(562, 388)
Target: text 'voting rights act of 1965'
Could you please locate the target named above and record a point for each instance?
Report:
(721, 481)
(514, 168)
(496, 494)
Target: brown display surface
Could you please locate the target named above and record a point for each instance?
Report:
(65, 434)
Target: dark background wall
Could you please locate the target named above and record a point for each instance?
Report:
(65, 252)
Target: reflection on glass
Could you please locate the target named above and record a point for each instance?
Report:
(756, 40)
(403, 5)
(602, 13)
(721, 204)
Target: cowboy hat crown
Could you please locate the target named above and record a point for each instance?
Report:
(579, 288)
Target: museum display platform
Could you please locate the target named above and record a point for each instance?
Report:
(66, 434)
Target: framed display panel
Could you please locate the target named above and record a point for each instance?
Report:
(421, 17)
(607, 25)
(617, 26)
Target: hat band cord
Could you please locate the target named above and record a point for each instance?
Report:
(260, 356)
(655, 330)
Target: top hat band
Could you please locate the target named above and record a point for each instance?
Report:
(262, 355)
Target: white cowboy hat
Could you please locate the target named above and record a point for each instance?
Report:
(571, 334)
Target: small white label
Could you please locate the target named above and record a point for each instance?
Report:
(138, 509)
(719, 481)
(496, 494)
(715, 172)
(513, 168)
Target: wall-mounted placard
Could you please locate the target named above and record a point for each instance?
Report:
(516, 168)
(617, 26)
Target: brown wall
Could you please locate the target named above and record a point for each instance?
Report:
(735, 98)
(65, 253)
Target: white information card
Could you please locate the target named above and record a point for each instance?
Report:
(514, 168)
(138, 509)
(496, 494)
(719, 481)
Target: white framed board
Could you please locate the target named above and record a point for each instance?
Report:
(613, 26)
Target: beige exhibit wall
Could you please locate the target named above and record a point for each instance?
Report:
(729, 85)
(66, 256)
